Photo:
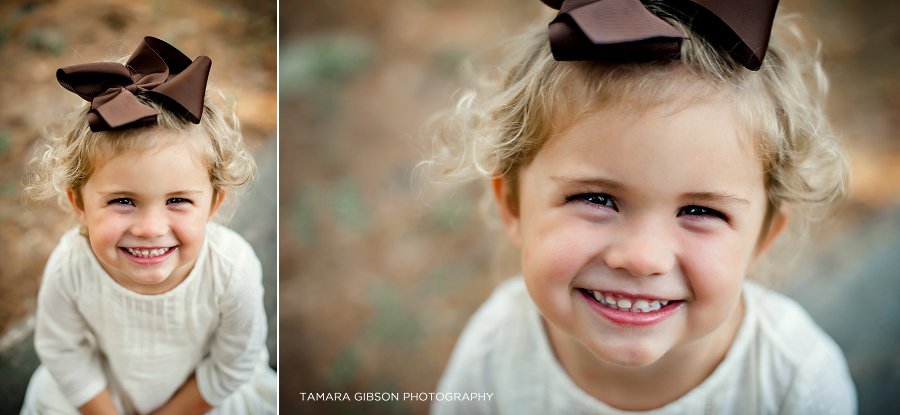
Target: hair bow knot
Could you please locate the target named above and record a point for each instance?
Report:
(156, 70)
(624, 30)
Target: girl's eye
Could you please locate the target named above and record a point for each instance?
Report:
(121, 201)
(598, 199)
(176, 200)
(694, 210)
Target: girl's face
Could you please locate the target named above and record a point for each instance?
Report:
(146, 215)
(658, 213)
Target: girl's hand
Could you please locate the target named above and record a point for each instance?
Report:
(101, 404)
(186, 401)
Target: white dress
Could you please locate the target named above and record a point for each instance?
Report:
(91, 333)
(780, 362)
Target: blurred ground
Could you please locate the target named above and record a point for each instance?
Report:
(39, 36)
(379, 273)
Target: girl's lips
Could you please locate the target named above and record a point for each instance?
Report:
(633, 316)
(148, 256)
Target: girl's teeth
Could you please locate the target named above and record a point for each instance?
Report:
(626, 304)
(145, 253)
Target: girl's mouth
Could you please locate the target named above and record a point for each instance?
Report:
(630, 311)
(623, 303)
(148, 256)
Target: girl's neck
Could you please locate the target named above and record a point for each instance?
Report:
(646, 387)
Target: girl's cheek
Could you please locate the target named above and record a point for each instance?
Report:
(714, 265)
(561, 251)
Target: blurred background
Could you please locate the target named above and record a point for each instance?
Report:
(379, 272)
(39, 36)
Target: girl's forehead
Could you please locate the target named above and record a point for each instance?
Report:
(163, 164)
(581, 93)
(701, 145)
(717, 104)
(136, 146)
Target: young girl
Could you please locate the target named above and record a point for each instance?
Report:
(148, 307)
(643, 157)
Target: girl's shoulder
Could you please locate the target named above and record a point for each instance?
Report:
(228, 258)
(509, 306)
(785, 324)
(803, 363)
(228, 246)
(70, 261)
(505, 328)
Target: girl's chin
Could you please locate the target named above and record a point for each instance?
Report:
(149, 281)
(627, 354)
(630, 361)
(148, 277)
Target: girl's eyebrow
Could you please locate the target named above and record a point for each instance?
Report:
(588, 181)
(117, 193)
(717, 197)
(130, 193)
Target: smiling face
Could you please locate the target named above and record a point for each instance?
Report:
(146, 215)
(656, 214)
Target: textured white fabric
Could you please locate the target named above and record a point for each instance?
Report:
(780, 362)
(91, 333)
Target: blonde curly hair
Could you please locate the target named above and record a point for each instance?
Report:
(74, 152)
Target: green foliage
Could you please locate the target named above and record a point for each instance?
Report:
(5, 142)
(450, 213)
(302, 215)
(46, 40)
(448, 60)
(391, 323)
(343, 368)
(316, 66)
(349, 209)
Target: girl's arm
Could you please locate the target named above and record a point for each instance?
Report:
(101, 404)
(62, 337)
(186, 401)
(241, 334)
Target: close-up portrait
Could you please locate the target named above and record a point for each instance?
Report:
(601, 207)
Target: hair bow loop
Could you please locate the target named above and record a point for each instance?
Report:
(743, 28)
(156, 70)
(617, 30)
(624, 30)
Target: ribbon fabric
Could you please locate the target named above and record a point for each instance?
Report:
(156, 70)
(624, 30)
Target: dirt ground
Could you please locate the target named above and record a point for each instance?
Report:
(379, 272)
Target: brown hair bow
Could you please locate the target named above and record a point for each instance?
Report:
(624, 30)
(156, 70)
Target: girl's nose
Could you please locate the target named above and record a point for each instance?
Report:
(641, 250)
(150, 224)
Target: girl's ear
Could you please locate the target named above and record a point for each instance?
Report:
(76, 206)
(509, 211)
(779, 223)
(218, 197)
